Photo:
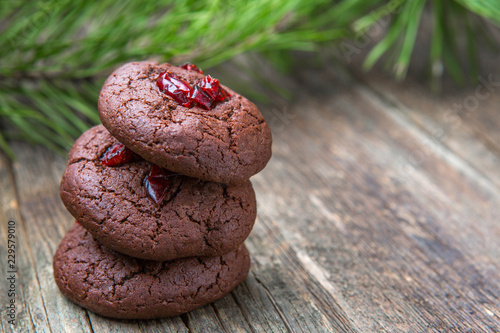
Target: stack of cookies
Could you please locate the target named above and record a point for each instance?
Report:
(161, 194)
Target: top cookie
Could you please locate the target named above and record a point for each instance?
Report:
(227, 144)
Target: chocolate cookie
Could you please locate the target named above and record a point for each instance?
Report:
(226, 144)
(196, 218)
(115, 285)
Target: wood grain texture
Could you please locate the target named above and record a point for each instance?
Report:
(379, 212)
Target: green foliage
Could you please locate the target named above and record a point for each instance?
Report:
(54, 54)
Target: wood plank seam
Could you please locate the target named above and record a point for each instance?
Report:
(273, 302)
(185, 321)
(89, 321)
(243, 312)
(217, 317)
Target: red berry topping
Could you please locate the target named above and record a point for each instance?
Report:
(222, 95)
(192, 67)
(156, 183)
(116, 155)
(175, 87)
(212, 87)
(207, 93)
(202, 98)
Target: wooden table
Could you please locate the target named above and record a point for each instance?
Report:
(379, 212)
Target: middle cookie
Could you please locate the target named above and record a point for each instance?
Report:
(196, 218)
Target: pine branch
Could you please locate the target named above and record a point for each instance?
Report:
(451, 21)
(54, 54)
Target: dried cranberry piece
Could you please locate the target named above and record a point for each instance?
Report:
(206, 93)
(212, 87)
(192, 67)
(222, 95)
(175, 87)
(157, 184)
(202, 98)
(116, 155)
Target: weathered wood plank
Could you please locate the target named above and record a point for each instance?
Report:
(204, 319)
(353, 147)
(173, 325)
(301, 303)
(28, 305)
(464, 144)
(230, 315)
(465, 122)
(37, 173)
(257, 307)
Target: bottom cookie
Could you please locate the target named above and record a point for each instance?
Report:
(118, 286)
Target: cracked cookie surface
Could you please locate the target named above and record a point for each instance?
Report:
(115, 285)
(197, 218)
(227, 144)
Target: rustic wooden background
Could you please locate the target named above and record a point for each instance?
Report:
(379, 212)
